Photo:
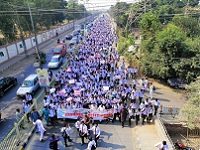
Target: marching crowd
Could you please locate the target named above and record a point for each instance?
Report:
(96, 80)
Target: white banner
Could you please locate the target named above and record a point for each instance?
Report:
(75, 113)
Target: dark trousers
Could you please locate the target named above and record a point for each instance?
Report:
(96, 139)
(65, 140)
(143, 118)
(137, 119)
(82, 135)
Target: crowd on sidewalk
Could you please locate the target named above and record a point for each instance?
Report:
(96, 80)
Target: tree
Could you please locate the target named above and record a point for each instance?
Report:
(190, 112)
(149, 24)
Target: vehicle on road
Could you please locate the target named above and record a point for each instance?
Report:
(68, 37)
(6, 83)
(29, 85)
(177, 83)
(74, 41)
(60, 49)
(55, 62)
(180, 146)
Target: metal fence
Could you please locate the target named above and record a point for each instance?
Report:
(21, 129)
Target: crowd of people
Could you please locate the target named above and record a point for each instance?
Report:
(96, 79)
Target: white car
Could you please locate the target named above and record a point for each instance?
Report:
(55, 62)
(29, 85)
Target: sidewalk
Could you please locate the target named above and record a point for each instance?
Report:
(113, 136)
(5, 65)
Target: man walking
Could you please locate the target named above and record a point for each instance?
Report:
(40, 127)
(123, 115)
(83, 130)
(96, 132)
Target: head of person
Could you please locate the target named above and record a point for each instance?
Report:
(82, 122)
(53, 136)
(17, 110)
(96, 124)
(164, 143)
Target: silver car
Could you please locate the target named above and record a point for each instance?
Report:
(55, 62)
(29, 85)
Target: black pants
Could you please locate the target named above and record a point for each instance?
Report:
(96, 139)
(143, 118)
(65, 140)
(82, 135)
(137, 119)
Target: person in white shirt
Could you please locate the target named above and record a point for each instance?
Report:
(52, 115)
(93, 106)
(96, 132)
(78, 123)
(40, 127)
(130, 115)
(91, 144)
(83, 131)
(101, 108)
(65, 134)
(162, 145)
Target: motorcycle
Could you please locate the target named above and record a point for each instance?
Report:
(180, 146)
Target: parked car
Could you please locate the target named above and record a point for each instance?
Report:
(6, 83)
(29, 85)
(60, 49)
(74, 41)
(177, 83)
(68, 37)
(55, 62)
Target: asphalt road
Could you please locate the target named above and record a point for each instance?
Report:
(9, 102)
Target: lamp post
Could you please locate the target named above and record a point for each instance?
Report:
(33, 29)
(84, 1)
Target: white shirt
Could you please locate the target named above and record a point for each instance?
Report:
(83, 128)
(90, 144)
(66, 130)
(77, 124)
(101, 108)
(39, 124)
(160, 146)
(96, 130)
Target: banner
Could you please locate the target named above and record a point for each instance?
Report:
(75, 113)
(43, 77)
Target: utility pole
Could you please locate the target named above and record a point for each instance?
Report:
(20, 30)
(21, 35)
(33, 29)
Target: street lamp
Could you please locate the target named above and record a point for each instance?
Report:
(33, 29)
(84, 1)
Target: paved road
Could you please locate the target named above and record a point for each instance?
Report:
(21, 70)
(141, 137)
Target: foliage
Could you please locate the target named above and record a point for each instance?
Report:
(190, 112)
(46, 13)
(149, 24)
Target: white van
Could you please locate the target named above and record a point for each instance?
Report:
(29, 85)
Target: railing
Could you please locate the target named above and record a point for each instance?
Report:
(22, 128)
(165, 134)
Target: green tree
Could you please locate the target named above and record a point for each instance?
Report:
(190, 112)
(149, 24)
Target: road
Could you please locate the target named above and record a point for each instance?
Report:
(9, 102)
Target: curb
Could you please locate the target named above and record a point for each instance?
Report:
(23, 145)
(30, 51)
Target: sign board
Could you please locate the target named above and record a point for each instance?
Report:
(43, 77)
